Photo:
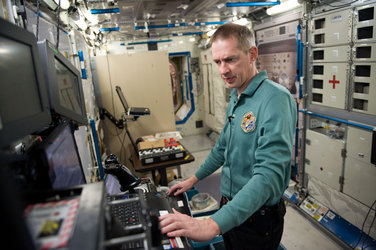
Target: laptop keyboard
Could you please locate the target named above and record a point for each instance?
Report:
(127, 213)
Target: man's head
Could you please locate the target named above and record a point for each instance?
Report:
(235, 53)
(242, 34)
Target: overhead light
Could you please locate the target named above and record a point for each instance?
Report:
(52, 4)
(95, 29)
(210, 32)
(183, 6)
(93, 19)
(148, 15)
(64, 17)
(242, 21)
(285, 6)
(81, 24)
(220, 6)
(64, 4)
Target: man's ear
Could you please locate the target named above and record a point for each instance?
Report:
(253, 53)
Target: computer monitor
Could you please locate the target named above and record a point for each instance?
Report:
(24, 105)
(64, 84)
(60, 155)
(131, 111)
(112, 185)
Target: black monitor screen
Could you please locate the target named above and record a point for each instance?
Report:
(63, 160)
(23, 95)
(68, 88)
(14, 88)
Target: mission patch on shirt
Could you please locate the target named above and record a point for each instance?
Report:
(249, 122)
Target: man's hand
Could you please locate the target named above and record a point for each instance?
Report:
(178, 224)
(183, 186)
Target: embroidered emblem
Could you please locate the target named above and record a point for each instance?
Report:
(249, 122)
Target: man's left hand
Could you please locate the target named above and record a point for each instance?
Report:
(178, 224)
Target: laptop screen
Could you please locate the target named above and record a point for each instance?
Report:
(64, 163)
(112, 185)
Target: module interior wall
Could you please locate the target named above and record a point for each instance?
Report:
(145, 82)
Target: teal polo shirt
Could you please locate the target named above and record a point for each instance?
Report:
(255, 149)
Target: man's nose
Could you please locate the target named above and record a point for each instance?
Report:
(224, 69)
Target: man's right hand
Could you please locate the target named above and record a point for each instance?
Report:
(183, 186)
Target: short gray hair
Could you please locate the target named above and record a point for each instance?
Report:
(245, 36)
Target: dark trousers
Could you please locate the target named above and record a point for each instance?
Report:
(263, 230)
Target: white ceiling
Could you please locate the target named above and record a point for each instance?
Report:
(183, 15)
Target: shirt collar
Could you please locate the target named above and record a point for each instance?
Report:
(253, 86)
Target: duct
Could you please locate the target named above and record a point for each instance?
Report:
(250, 4)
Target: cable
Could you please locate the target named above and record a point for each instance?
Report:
(364, 222)
(112, 91)
(38, 13)
(122, 148)
(114, 111)
(58, 25)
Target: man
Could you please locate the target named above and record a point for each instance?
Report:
(254, 148)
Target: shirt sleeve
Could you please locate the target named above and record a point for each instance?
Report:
(271, 171)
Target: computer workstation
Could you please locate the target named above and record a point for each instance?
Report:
(42, 99)
(135, 205)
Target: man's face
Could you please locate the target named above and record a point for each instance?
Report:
(235, 66)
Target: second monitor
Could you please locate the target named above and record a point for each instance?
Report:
(64, 84)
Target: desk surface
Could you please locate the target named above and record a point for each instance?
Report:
(158, 165)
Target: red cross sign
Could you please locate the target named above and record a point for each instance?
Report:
(334, 81)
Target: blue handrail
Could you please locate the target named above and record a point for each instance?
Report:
(338, 120)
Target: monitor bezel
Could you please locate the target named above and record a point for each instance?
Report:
(48, 56)
(12, 131)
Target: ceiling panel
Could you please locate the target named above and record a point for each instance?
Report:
(149, 18)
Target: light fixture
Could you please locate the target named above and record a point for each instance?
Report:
(64, 17)
(183, 6)
(93, 19)
(81, 24)
(64, 4)
(210, 32)
(220, 6)
(241, 21)
(52, 4)
(285, 6)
